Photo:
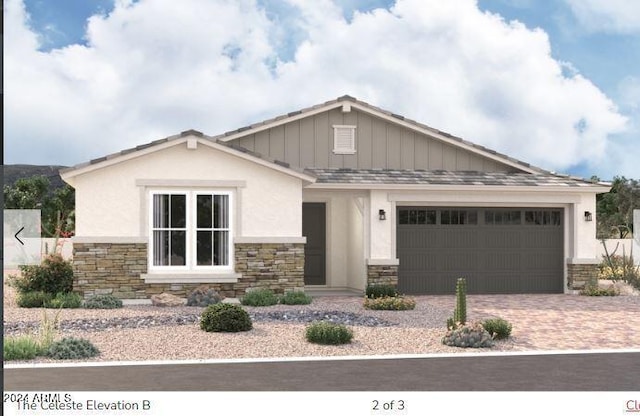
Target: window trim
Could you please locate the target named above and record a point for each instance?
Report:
(191, 265)
(343, 150)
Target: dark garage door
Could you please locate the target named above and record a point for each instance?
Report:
(498, 250)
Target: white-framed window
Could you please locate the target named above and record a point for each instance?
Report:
(344, 140)
(190, 230)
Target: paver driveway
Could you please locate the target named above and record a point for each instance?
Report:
(559, 321)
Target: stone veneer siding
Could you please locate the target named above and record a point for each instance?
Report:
(115, 268)
(279, 267)
(580, 275)
(382, 275)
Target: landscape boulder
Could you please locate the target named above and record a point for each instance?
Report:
(167, 299)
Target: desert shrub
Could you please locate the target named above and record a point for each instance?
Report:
(295, 298)
(27, 347)
(203, 296)
(69, 300)
(381, 291)
(593, 290)
(103, 302)
(619, 267)
(24, 347)
(48, 330)
(225, 317)
(53, 275)
(468, 336)
(259, 297)
(72, 349)
(498, 328)
(36, 299)
(389, 303)
(328, 333)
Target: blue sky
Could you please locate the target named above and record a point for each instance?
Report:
(554, 83)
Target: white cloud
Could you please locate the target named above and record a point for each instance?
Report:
(616, 16)
(154, 68)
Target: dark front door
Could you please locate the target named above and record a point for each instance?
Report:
(314, 228)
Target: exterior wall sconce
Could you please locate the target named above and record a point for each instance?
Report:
(588, 216)
(382, 215)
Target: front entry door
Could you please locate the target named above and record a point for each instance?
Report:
(314, 228)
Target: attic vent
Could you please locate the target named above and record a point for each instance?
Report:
(344, 140)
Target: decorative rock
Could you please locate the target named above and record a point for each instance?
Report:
(166, 299)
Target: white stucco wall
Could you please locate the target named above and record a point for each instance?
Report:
(109, 203)
(381, 233)
(357, 275)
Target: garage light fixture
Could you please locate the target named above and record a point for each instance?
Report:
(382, 215)
(588, 216)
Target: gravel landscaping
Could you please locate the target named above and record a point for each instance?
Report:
(154, 333)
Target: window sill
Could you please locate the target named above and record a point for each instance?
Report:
(197, 277)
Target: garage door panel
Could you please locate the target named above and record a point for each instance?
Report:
(419, 260)
(511, 250)
(500, 238)
(458, 261)
(508, 260)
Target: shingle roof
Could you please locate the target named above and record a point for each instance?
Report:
(442, 177)
(552, 178)
(197, 133)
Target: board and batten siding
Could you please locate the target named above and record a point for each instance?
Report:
(308, 142)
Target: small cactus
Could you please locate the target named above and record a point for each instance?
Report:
(460, 313)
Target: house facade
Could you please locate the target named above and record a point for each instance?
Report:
(335, 196)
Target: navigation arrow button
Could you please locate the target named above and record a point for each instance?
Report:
(16, 235)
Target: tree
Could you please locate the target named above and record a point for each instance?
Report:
(57, 208)
(615, 209)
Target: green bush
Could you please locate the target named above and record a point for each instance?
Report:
(465, 336)
(380, 291)
(36, 299)
(388, 303)
(498, 328)
(203, 296)
(225, 317)
(23, 347)
(54, 275)
(295, 298)
(593, 290)
(103, 302)
(328, 333)
(259, 297)
(69, 300)
(72, 349)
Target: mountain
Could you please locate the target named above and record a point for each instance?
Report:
(14, 172)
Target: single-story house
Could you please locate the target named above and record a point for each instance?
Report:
(336, 196)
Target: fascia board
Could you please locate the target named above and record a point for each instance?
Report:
(476, 188)
(279, 122)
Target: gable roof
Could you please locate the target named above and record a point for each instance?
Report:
(177, 139)
(347, 102)
(223, 142)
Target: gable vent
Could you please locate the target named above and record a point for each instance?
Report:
(344, 140)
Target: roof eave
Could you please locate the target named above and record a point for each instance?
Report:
(68, 174)
(466, 187)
